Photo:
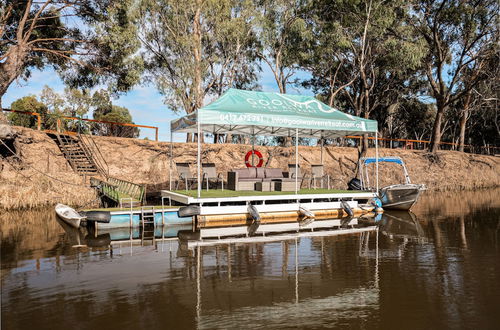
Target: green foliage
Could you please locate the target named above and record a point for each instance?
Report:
(27, 104)
(458, 36)
(197, 49)
(283, 35)
(75, 103)
(116, 114)
(363, 55)
(87, 42)
(376, 58)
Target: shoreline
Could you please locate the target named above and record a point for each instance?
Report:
(22, 186)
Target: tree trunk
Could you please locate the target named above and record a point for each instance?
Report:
(364, 142)
(463, 124)
(364, 145)
(436, 130)
(3, 117)
(463, 121)
(10, 69)
(6, 132)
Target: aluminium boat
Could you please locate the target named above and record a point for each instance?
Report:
(397, 196)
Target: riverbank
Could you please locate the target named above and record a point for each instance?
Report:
(43, 177)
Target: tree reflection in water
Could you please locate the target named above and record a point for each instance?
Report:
(440, 269)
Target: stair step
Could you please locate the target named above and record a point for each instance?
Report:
(75, 153)
(74, 150)
(80, 159)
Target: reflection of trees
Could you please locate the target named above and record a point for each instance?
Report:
(452, 203)
(27, 235)
(449, 276)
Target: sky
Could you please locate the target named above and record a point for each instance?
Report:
(144, 102)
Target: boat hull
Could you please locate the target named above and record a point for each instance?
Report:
(68, 215)
(400, 197)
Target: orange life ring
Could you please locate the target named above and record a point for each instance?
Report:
(256, 153)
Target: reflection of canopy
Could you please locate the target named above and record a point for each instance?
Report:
(259, 113)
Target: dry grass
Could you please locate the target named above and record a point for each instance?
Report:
(142, 161)
(40, 191)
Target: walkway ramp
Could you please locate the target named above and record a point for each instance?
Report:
(120, 192)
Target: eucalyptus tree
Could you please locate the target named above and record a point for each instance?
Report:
(364, 57)
(458, 35)
(194, 50)
(484, 74)
(86, 42)
(284, 36)
(476, 111)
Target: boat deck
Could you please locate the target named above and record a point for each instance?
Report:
(219, 197)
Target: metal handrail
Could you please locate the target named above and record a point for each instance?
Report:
(39, 121)
(95, 154)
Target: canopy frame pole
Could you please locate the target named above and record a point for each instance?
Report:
(321, 148)
(296, 160)
(253, 146)
(376, 158)
(198, 156)
(171, 160)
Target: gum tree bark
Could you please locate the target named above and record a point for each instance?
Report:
(463, 122)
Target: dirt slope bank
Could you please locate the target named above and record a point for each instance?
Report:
(144, 161)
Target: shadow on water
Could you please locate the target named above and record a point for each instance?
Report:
(438, 267)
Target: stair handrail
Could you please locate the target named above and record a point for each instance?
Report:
(90, 155)
(94, 153)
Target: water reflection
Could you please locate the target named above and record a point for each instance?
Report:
(437, 268)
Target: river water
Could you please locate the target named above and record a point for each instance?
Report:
(436, 269)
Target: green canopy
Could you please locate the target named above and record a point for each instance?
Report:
(261, 113)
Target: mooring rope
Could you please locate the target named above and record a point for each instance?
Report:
(37, 170)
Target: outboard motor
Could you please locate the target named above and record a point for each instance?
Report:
(354, 184)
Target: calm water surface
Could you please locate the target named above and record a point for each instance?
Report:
(437, 269)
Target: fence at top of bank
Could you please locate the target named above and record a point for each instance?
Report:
(108, 128)
(72, 125)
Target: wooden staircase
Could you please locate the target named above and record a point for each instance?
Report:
(79, 154)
